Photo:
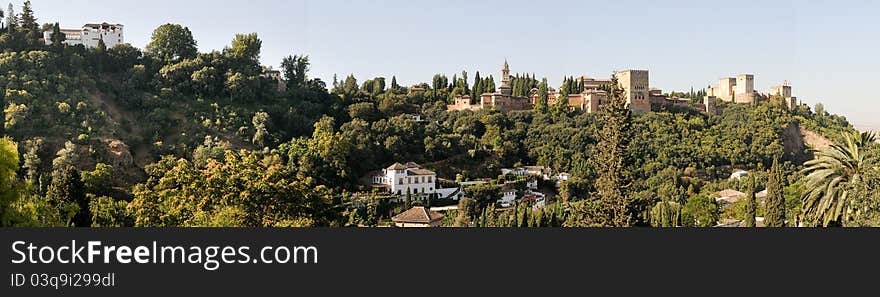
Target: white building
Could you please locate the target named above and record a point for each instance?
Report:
(523, 171)
(90, 35)
(739, 174)
(400, 179)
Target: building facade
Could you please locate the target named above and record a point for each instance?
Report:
(502, 100)
(90, 35)
(784, 92)
(635, 84)
(742, 90)
(410, 178)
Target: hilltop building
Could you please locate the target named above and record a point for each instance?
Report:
(400, 179)
(502, 100)
(635, 87)
(640, 98)
(741, 89)
(90, 34)
(784, 92)
(275, 76)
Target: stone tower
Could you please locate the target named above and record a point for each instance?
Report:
(635, 85)
(505, 88)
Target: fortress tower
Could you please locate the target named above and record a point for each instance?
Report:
(635, 84)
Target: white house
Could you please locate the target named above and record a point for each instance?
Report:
(90, 34)
(400, 179)
(739, 174)
(508, 196)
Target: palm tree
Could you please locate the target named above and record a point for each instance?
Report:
(828, 177)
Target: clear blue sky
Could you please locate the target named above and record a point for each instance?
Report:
(827, 50)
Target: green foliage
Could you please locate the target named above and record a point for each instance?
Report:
(67, 192)
(612, 160)
(466, 209)
(98, 181)
(484, 194)
(751, 209)
(172, 43)
(666, 214)
(700, 211)
(241, 190)
(830, 177)
(775, 214)
(9, 184)
(108, 212)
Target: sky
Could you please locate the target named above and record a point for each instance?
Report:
(826, 50)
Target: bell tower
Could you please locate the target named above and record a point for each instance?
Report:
(505, 80)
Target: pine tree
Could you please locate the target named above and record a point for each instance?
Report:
(27, 20)
(751, 208)
(775, 214)
(613, 176)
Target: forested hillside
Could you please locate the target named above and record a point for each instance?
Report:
(169, 136)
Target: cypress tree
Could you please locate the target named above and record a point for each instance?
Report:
(613, 176)
(543, 96)
(57, 37)
(775, 214)
(751, 208)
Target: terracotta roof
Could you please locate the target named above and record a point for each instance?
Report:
(731, 193)
(418, 214)
(419, 171)
(396, 166)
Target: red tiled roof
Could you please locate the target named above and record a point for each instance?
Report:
(418, 214)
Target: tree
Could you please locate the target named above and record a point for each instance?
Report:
(775, 214)
(57, 37)
(245, 54)
(751, 207)
(484, 194)
(466, 206)
(830, 175)
(612, 161)
(543, 96)
(98, 181)
(67, 189)
(295, 70)
(243, 189)
(259, 121)
(9, 190)
(666, 214)
(700, 211)
(172, 43)
(28, 21)
(819, 109)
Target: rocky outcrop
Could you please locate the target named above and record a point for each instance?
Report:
(799, 142)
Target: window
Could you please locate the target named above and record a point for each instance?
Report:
(400, 182)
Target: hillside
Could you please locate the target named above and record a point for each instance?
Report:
(168, 136)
